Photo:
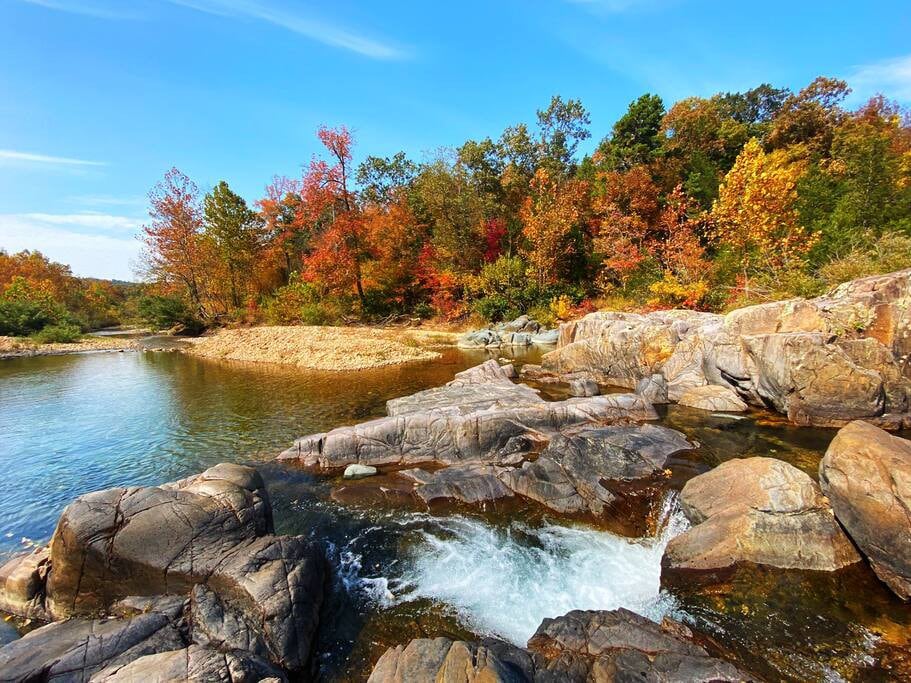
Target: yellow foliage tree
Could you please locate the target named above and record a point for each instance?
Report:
(755, 213)
(549, 216)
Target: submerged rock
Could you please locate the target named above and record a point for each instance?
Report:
(823, 361)
(713, 398)
(578, 647)
(866, 474)
(758, 510)
(472, 483)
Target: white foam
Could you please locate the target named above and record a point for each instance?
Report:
(504, 581)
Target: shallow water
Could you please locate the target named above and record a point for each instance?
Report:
(72, 424)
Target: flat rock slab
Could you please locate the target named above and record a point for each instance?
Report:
(449, 435)
(866, 474)
(193, 664)
(472, 483)
(758, 510)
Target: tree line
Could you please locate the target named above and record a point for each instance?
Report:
(712, 203)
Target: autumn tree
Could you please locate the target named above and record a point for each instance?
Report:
(553, 211)
(175, 253)
(329, 210)
(636, 136)
(562, 126)
(756, 211)
(810, 117)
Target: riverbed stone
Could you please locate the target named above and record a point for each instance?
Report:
(442, 659)
(356, 471)
(866, 474)
(471, 483)
(757, 510)
(584, 387)
(22, 581)
(653, 389)
(713, 398)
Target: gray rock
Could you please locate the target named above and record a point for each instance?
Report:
(584, 387)
(866, 474)
(569, 475)
(479, 339)
(449, 435)
(194, 664)
(546, 337)
(619, 645)
(75, 649)
(823, 361)
(758, 510)
(486, 372)
(472, 483)
(713, 398)
(356, 471)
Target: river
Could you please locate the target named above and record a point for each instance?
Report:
(79, 423)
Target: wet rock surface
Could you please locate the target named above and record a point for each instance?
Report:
(580, 646)
(255, 601)
(713, 398)
(823, 361)
(866, 474)
(758, 510)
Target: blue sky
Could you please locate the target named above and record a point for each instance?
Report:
(98, 98)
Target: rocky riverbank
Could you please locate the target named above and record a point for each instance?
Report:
(323, 348)
(824, 361)
(14, 347)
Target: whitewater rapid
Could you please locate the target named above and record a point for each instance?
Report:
(503, 580)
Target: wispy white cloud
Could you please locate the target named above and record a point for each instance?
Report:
(92, 221)
(91, 8)
(889, 77)
(14, 156)
(64, 239)
(293, 20)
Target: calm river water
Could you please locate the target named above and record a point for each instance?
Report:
(79, 423)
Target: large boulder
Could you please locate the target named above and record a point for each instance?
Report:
(155, 539)
(757, 510)
(442, 659)
(619, 645)
(866, 474)
(714, 398)
(255, 594)
(584, 470)
(193, 664)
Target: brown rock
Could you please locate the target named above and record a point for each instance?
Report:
(713, 398)
(757, 510)
(866, 473)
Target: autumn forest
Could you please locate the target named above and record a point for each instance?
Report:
(709, 203)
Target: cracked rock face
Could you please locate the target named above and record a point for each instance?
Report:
(714, 398)
(156, 539)
(823, 361)
(76, 649)
(579, 647)
(758, 510)
(570, 474)
(194, 664)
(866, 473)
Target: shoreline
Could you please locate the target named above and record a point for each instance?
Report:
(12, 347)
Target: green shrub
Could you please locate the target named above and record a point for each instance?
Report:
(61, 333)
(165, 312)
(25, 309)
